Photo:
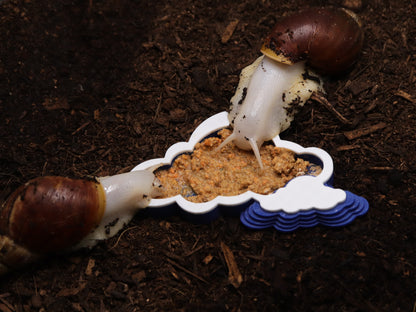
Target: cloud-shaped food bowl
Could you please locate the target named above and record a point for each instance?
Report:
(304, 201)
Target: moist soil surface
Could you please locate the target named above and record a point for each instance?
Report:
(93, 88)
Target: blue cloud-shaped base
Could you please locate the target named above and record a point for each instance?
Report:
(342, 214)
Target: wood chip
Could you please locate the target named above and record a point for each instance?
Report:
(208, 259)
(65, 292)
(96, 114)
(406, 96)
(229, 30)
(387, 168)
(353, 4)
(90, 266)
(55, 103)
(361, 254)
(234, 275)
(139, 276)
(81, 127)
(354, 134)
(186, 270)
(4, 308)
(347, 147)
(320, 98)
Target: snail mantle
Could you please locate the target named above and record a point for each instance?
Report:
(305, 201)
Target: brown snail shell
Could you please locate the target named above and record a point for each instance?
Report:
(50, 214)
(56, 214)
(328, 39)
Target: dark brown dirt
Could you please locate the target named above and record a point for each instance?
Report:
(91, 88)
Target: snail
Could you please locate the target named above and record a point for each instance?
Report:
(271, 90)
(53, 214)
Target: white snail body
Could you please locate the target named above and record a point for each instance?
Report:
(328, 40)
(53, 214)
(266, 99)
(124, 194)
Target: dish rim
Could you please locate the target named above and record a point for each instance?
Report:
(210, 126)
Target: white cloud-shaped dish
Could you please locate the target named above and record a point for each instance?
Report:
(300, 194)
